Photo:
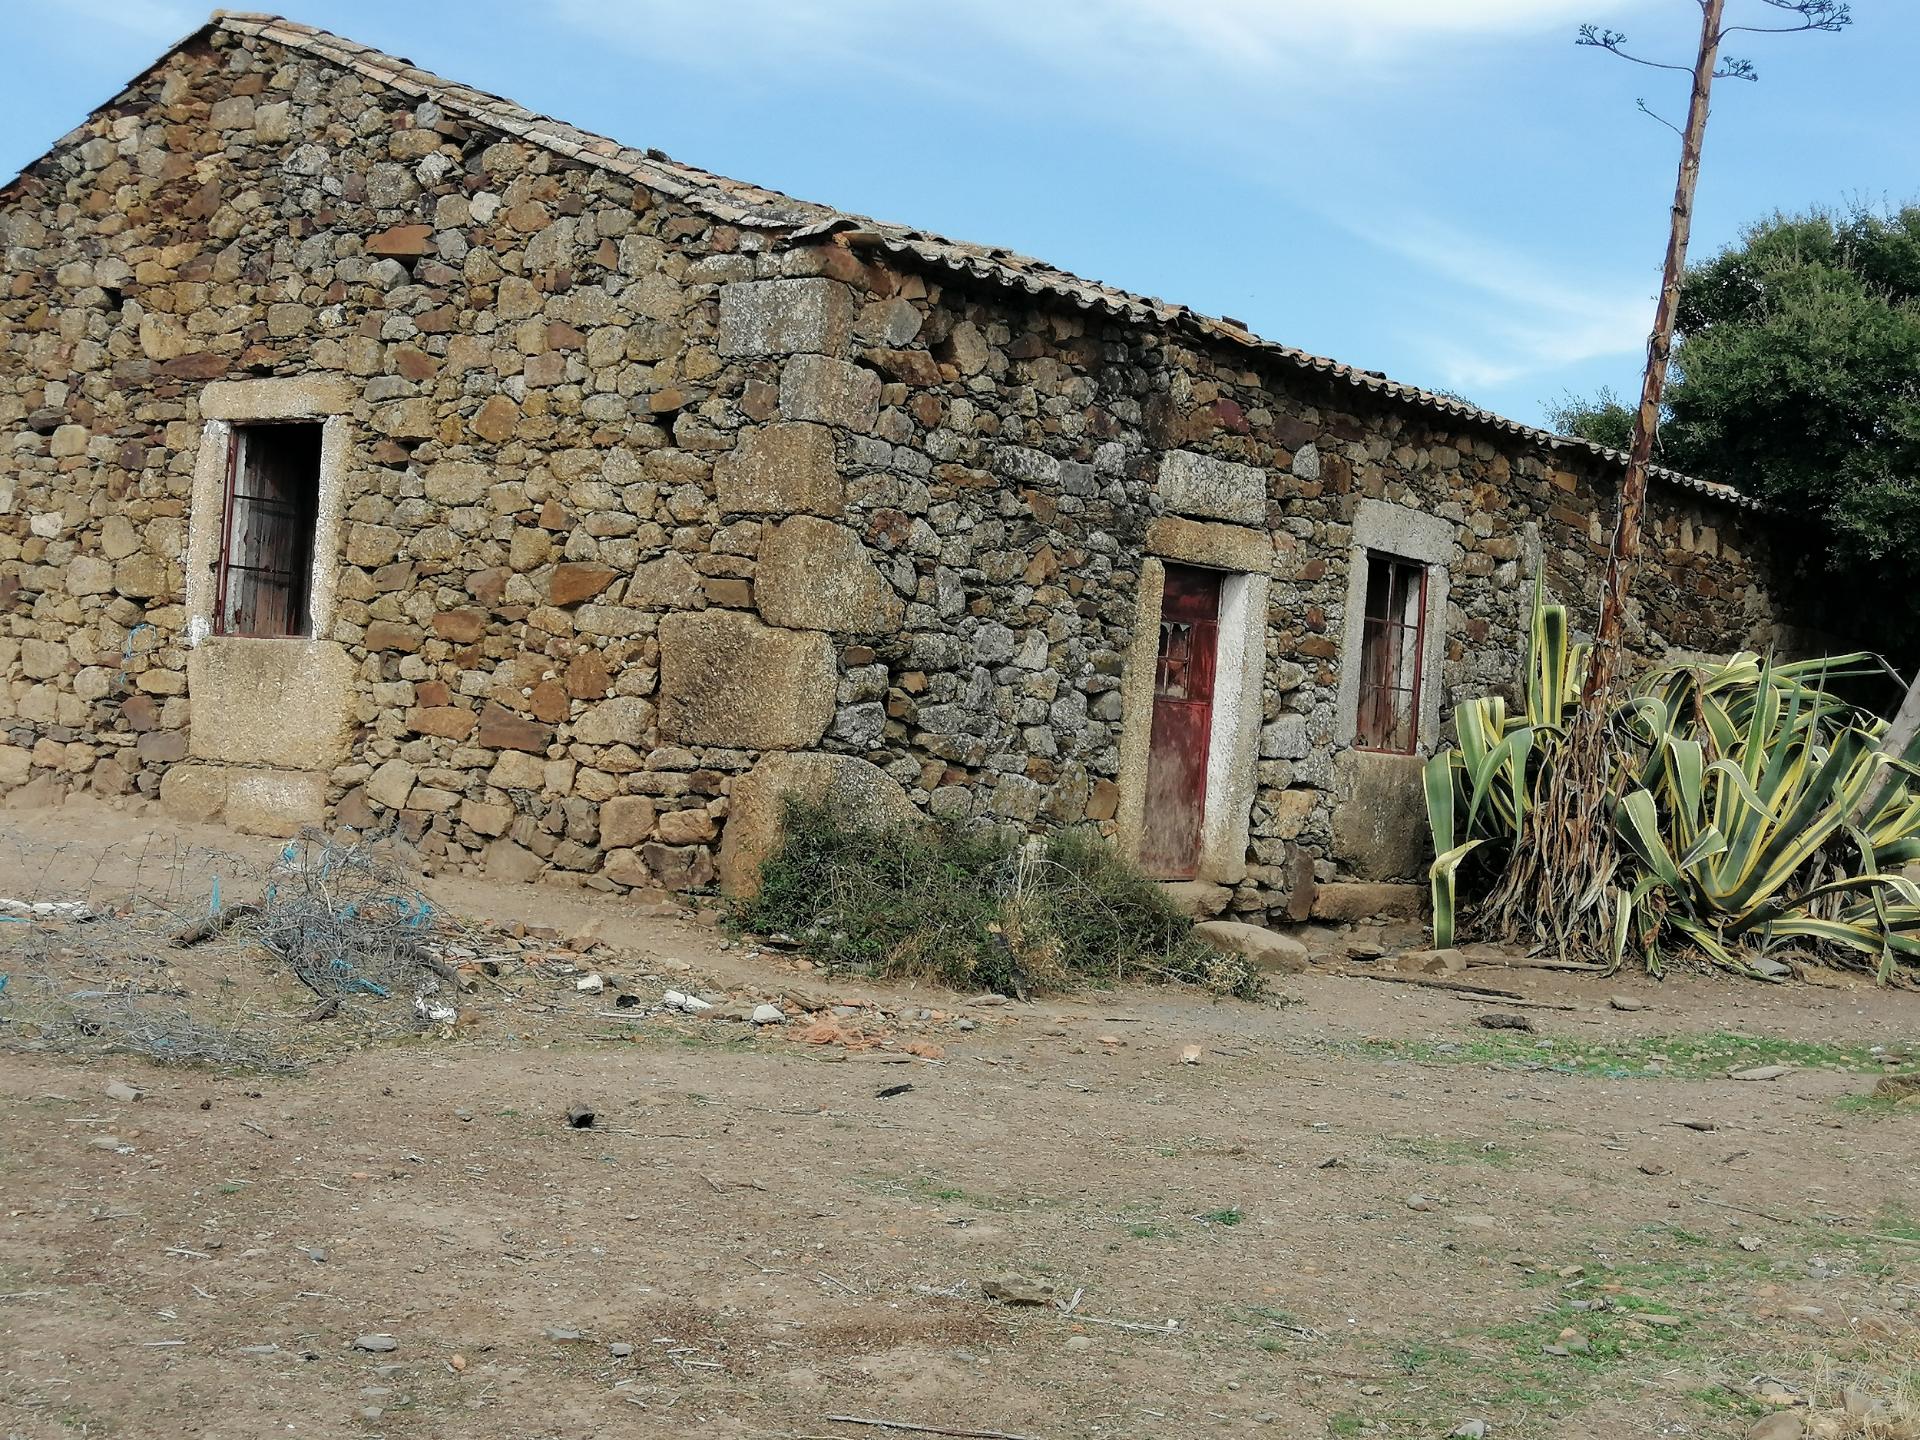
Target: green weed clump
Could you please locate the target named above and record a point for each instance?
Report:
(976, 909)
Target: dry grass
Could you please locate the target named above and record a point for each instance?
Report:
(1845, 1404)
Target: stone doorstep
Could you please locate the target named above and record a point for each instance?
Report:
(251, 799)
(1343, 902)
(1197, 899)
(1267, 949)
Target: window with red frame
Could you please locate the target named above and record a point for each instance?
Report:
(265, 576)
(1392, 643)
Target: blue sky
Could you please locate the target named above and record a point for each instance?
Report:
(1445, 190)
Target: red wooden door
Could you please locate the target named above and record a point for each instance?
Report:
(1182, 723)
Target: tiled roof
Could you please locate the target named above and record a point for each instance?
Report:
(735, 202)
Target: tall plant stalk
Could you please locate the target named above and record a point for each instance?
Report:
(1558, 878)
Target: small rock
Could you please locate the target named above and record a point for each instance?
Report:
(316, 1254)
(620, 1350)
(768, 1015)
(1263, 948)
(1430, 962)
(376, 1344)
(1760, 1072)
(1769, 967)
(1469, 1430)
(371, 1413)
(1750, 1243)
(1419, 1202)
(1190, 1055)
(1501, 1020)
(580, 1117)
(1784, 1426)
(590, 984)
(965, 1024)
(563, 1334)
(1626, 1002)
(1079, 1342)
(1859, 1405)
(1009, 1290)
(123, 1092)
(111, 1142)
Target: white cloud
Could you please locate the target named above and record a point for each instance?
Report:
(1212, 76)
(1507, 317)
(1303, 39)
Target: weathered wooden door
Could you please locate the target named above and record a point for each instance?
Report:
(1182, 723)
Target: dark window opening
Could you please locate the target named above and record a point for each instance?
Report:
(264, 585)
(1392, 644)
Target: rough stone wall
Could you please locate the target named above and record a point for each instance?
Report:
(634, 497)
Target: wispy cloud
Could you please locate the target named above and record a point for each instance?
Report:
(1505, 317)
(1333, 108)
(1097, 38)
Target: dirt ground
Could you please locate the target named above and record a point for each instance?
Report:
(1359, 1213)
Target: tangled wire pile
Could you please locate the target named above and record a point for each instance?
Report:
(174, 970)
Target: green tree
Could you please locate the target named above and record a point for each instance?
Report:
(1604, 418)
(1797, 379)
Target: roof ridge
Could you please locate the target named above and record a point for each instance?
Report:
(741, 203)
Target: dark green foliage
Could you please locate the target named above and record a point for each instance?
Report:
(1796, 378)
(975, 909)
(884, 901)
(1604, 420)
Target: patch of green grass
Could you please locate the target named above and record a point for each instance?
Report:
(1413, 1358)
(943, 1192)
(1896, 1220)
(1681, 1057)
(1151, 1232)
(1232, 1215)
(1729, 1401)
(1273, 1315)
(972, 908)
(1455, 1152)
(1874, 1105)
(1347, 1423)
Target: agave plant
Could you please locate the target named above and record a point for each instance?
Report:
(1753, 805)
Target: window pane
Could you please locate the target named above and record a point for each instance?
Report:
(1391, 637)
(1379, 587)
(266, 562)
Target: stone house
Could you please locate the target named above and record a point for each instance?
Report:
(374, 451)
